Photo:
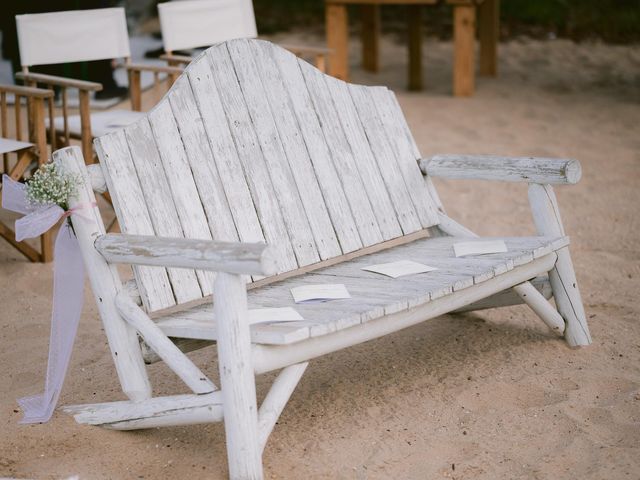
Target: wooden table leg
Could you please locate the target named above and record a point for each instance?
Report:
(338, 40)
(414, 21)
(370, 34)
(489, 32)
(464, 19)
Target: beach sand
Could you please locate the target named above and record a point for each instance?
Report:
(489, 395)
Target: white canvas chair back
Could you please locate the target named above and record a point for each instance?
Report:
(253, 144)
(74, 36)
(201, 23)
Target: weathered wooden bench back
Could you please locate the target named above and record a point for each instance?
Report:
(253, 144)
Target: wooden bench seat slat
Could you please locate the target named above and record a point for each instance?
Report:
(181, 182)
(283, 184)
(133, 216)
(251, 157)
(295, 150)
(373, 295)
(160, 203)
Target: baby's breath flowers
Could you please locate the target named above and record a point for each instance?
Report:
(50, 186)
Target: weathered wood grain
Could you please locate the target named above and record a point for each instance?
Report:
(158, 198)
(184, 253)
(133, 215)
(105, 282)
(295, 150)
(342, 156)
(333, 194)
(546, 216)
(509, 169)
(271, 148)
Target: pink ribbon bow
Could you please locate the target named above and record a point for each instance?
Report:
(68, 291)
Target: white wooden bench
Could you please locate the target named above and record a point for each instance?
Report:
(262, 169)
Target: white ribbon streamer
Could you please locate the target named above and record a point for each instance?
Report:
(68, 292)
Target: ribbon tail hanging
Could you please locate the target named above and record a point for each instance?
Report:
(68, 296)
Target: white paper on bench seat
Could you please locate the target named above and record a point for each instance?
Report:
(462, 249)
(320, 293)
(399, 268)
(267, 315)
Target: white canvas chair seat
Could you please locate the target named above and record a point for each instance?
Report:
(9, 145)
(257, 173)
(373, 295)
(102, 123)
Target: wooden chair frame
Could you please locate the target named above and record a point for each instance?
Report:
(36, 154)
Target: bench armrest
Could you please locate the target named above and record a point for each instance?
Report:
(230, 257)
(59, 81)
(510, 169)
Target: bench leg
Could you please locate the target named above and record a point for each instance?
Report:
(546, 216)
(237, 378)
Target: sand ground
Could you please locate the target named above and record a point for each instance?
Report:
(488, 395)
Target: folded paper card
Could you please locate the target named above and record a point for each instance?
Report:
(399, 268)
(319, 293)
(267, 315)
(480, 247)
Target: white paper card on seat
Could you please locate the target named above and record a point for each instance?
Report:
(319, 293)
(267, 315)
(399, 268)
(484, 247)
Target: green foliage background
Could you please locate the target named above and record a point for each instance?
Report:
(616, 21)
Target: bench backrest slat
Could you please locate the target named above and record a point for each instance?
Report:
(163, 211)
(253, 144)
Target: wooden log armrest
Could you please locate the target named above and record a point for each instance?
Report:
(26, 91)
(229, 257)
(59, 81)
(553, 171)
(143, 67)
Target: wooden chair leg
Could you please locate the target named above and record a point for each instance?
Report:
(237, 377)
(24, 160)
(546, 216)
(85, 127)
